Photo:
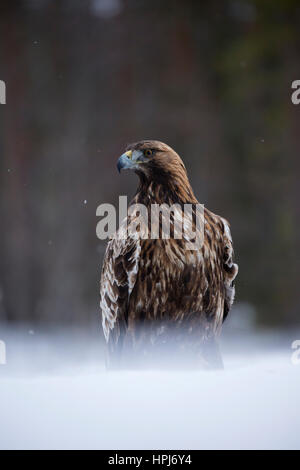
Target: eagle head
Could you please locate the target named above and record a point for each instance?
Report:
(158, 166)
(151, 159)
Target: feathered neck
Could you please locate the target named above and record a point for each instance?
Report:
(165, 188)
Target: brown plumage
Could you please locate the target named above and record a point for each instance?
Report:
(158, 291)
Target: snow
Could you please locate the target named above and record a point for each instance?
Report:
(56, 394)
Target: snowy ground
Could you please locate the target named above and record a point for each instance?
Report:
(55, 394)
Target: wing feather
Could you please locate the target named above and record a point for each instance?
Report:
(119, 274)
(230, 268)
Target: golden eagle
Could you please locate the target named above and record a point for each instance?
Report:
(157, 294)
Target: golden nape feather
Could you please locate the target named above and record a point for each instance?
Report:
(159, 296)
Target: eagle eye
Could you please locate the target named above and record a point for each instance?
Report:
(148, 153)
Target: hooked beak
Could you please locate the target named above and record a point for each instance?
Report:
(125, 161)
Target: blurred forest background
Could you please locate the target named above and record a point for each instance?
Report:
(86, 77)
